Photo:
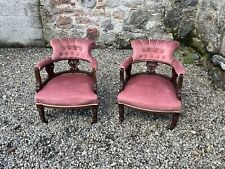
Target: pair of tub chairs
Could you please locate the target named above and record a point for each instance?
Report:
(147, 91)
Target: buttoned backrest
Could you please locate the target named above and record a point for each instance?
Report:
(153, 50)
(71, 48)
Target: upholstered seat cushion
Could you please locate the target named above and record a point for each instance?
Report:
(150, 92)
(68, 90)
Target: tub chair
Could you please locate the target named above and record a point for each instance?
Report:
(72, 88)
(150, 91)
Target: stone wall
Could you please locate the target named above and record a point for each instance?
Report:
(199, 23)
(20, 23)
(116, 22)
(210, 26)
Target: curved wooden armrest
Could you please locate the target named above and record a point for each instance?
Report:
(177, 78)
(125, 67)
(124, 79)
(44, 62)
(126, 63)
(93, 64)
(178, 67)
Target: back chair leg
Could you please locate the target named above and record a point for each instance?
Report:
(94, 114)
(121, 112)
(174, 121)
(42, 113)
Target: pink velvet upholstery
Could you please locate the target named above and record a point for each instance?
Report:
(126, 62)
(178, 67)
(93, 63)
(67, 90)
(71, 48)
(44, 62)
(153, 50)
(149, 92)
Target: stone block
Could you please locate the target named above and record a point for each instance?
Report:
(107, 25)
(92, 33)
(185, 29)
(59, 2)
(112, 4)
(64, 22)
(88, 3)
(100, 4)
(173, 17)
(64, 10)
(118, 14)
(137, 19)
(219, 60)
(187, 3)
(133, 3)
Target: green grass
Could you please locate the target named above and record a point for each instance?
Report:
(189, 59)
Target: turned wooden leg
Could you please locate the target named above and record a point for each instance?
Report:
(121, 112)
(174, 121)
(42, 113)
(94, 114)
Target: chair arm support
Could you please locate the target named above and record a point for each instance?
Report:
(179, 69)
(179, 86)
(126, 63)
(39, 83)
(43, 63)
(122, 79)
(46, 63)
(93, 75)
(125, 68)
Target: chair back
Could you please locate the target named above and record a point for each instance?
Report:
(153, 50)
(71, 48)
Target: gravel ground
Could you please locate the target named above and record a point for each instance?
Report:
(142, 141)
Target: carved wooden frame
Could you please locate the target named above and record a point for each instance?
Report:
(177, 80)
(51, 74)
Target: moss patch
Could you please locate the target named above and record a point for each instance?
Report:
(188, 59)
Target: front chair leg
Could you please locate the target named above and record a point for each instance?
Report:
(121, 112)
(174, 121)
(42, 113)
(94, 114)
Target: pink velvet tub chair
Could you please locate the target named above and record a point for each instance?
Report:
(150, 91)
(71, 88)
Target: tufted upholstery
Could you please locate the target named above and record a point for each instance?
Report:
(153, 50)
(71, 48)
(149, 92)
(72, 88)
(67, 90)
